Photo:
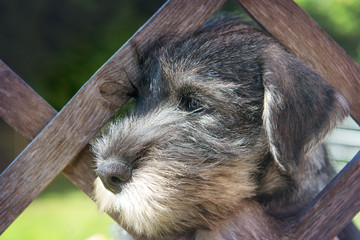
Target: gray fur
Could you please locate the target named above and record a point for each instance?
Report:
(224, 140)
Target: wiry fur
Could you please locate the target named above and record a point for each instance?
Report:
(224, 139)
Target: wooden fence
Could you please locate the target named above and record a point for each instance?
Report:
(59, 140)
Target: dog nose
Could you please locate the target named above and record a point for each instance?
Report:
(113, 175)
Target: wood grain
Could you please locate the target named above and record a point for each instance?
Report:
(20, 115)
(71, 129)
(296, 30)
(28, 113)
(333, 208)
(20, 106)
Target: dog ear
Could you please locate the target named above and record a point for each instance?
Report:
(300, 108)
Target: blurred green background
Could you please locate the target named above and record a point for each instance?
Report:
(55, 46)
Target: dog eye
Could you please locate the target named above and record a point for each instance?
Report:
(190, 104)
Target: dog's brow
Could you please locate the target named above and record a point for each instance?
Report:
(203, 87)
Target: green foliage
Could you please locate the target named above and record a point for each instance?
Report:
(55, 46)
(340, 19)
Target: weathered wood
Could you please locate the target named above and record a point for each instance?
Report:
(72, 128)
(296, 30)
(22, 116)
(21, 105)
(333, 208)
(28, 113)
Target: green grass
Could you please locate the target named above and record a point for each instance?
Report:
(58, 215)
(356, 220)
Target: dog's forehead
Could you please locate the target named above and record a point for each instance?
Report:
(170, 84)
(219, 56)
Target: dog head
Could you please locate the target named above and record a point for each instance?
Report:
(211, 108)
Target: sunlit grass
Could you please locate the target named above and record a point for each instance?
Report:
(356, 220)
(58, 216)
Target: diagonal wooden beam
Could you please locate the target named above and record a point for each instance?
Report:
(333, 208)
(296, 30)
(71, 129)
(20, 106)
(28, 113)
(25, 111)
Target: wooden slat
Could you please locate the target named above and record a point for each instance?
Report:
(288, 23)
(20, 115)
(333, 208)
(28, 113)
(72, 128)
(20, 106)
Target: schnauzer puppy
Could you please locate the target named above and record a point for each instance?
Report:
(225, 139)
